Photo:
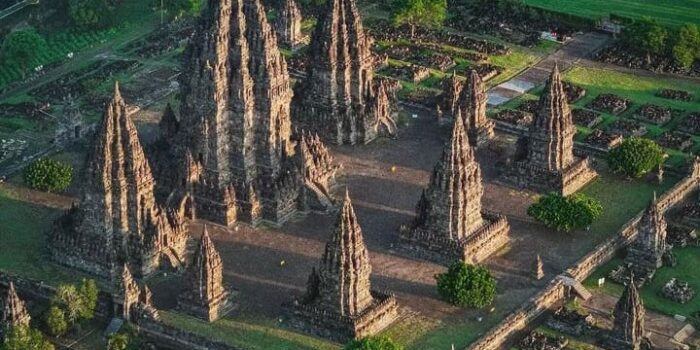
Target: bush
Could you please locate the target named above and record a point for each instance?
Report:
(88, 14)
(48, 175)
(118, 341)
(466, 285)
(23, 338)
(686, 48)
(373, 343)
(56, 321)
(635, 157)
(566, 213)
(21, 48)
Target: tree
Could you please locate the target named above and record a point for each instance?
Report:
(635, 157)
(466, 285)
(22, 47)
(88, 14)
(686, 48)
(647, 36)
(429, 13)
(48, 175)
(89, 292)
(25, 338)
(118, 341)
(566, 213)
(180, 8)
(56, 321)
(373, 343)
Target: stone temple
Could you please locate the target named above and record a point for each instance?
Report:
(14, 313)
(450, 223)
(118, 221)
(288, 26)
(549, 164)
(339, 302)
(131, 301)
(645, 254)
(628, 324)
(205, 296)
(472, 109)
(232, 144)
(339, 98)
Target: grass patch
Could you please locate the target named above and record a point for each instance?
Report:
(253, 335)
(16, 123)
(669, 12)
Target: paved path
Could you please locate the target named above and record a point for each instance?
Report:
(579, 47)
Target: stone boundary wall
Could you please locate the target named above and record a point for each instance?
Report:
(175, 338)
(556, 291)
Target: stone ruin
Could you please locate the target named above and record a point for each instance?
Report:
(288, 26)
(645, 254)
(339, 303)
(601, 138)
(654, 114)
(472, 109)
(70, 126)
(11, 148)
(681, 236)
(232, 147)
(205, 296)
(586, 117)
(570, 322)
(538, 341)
(691, 123)
(628, 127)
(678, 291)
(318, 171)
(117, 220)
(131, 301)
(339, 98)
(450, 223)
(679, 95)
(610, 103)
(549, 163)
(628, 322)
(690, 213)
(676, 140)
(14, 313)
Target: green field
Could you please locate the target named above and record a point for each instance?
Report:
(670, 12)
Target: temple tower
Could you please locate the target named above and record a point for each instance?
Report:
(628, 325)
(288, 26)
(645, 254)
(14, 313)
(472, 109)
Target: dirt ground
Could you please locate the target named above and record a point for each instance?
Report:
(267, 266)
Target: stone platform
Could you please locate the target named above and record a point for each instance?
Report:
(474, 249)
(332, 325)
(521, 174)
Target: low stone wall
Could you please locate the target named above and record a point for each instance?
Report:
(556, 291)
(175, 338)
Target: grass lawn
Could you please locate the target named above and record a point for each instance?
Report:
(669, 12)
(686, 270)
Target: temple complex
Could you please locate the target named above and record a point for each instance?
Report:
(14, 313)
(339, 98)
(205, 296)
(645, 254)
(232, 145)
(131, 301)
(628, 324)
(471, 108)
(450, 223)
(117, 220)
(288, 26)
(549, 163)
(339, 302)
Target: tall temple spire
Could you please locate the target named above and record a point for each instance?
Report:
(472, 109)
(646, 253)
(118, 220)
(451, 205)
(628, 325)
(338, 292)
(205, 296)
(332, 100)
(288, 25)
(552, 131)
(14, 313)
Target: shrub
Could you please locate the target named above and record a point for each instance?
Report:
(88, 14)
(77, 303)
(466, 285)
(566, 213)
(56, 321)
(118, 341)
(23, 338)
(48, 175)
(635, 157)
(373, 343)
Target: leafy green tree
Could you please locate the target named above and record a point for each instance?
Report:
(429, 13)
(636, 156)
(687, 46)
(48, 175)
(88, 14)
(646, 35)
(25, 338)
(180, 8)
(373, 343)
(566, 213)
(56, 321)
(466, 285)
(89, 292)
(118, 341)
(22, 47)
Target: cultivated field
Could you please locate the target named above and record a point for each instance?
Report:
(671, 12)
